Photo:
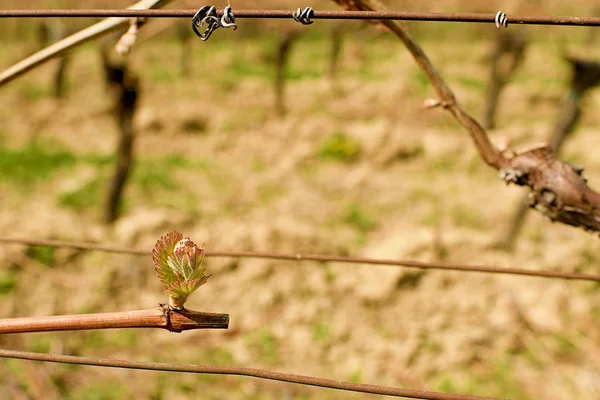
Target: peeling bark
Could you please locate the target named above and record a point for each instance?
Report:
(585, 76)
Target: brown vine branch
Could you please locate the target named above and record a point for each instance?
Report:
(241, 371)
(319, 258)
(160, 317)
(557, 189)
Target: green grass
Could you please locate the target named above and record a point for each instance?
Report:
(420, 81)
(358, 218)
(37, 162)
(33, 163)
(498, 381)
(321, 332)
(119, 338)
(422, 194)
(467, 217)
(339, 147)
(103, 390)
(214, 356)
(264, 345)
(85, 198)
(41, 344)
(34, 91)
(472, 83)
(8, 281)
(43, 255)
(164, 74)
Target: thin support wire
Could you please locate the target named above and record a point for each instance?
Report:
(318, 258)
(347, 15)
(241, 371)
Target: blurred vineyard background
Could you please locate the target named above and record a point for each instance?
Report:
(348, 164)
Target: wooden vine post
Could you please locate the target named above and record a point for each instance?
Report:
(123, 87)
(508, 54)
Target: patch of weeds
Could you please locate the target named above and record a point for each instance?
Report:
(588, 253)
(340, 147)
(43, 255)
(330, 275)
(475, 166)
(156, 178)
(14, 367)
(365, 73)
(356, 376)
(34, 91)
(422, 194)
(356, 217)
(596, 312)
(264, 345)
(466, 217)
(122, 338)
(472, 83)
(258, 165)
(249, 119)
(41, 344)
(103, 390)
(268, 192)
(98, 160)
(216, 356)
(532, 359)
(321, 332)
(150, 178)
(8, 282)
(240, 70)
(432, 218)
(421, 82)
(33, 163)
(186, 388)
(566, 348)
(160, 73)
(497, 382)
(295, 74)
(445, 163)
(85, 198)
(537, 235)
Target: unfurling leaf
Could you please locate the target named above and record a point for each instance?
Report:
(163, 249)
(178, 292)
(178, 261)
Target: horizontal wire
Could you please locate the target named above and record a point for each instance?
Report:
(362, 15)
(319, 258)
(241, 371)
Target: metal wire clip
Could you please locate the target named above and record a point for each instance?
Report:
(501, 19)
(228, 19)
(304, 16)
(208, 15)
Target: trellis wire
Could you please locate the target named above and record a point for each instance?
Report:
(241, 371)
(348, 15)
(318, 258)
